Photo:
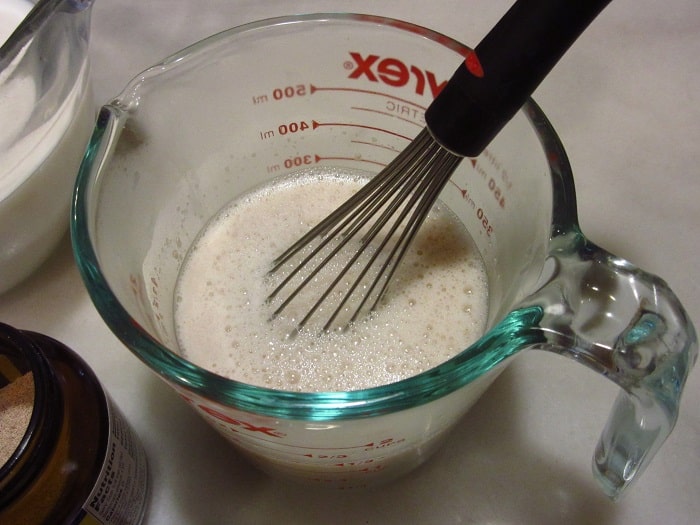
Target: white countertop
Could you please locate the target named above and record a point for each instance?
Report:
(626, 102)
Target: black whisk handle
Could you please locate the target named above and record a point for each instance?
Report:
(495, 80)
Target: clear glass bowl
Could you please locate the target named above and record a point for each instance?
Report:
(47, 111)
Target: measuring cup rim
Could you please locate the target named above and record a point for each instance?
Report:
(493, 348)
(35, 20)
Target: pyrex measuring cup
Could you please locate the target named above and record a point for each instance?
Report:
(46, 113)
(247, 105)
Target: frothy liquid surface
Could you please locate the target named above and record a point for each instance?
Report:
(435, 307)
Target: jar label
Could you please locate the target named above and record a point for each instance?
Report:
(119, 495)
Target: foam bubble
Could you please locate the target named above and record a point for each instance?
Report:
(436, 306)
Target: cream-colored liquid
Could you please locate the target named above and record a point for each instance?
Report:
(435, 308)
(18, 95)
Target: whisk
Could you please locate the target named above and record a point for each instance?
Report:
(371, 232)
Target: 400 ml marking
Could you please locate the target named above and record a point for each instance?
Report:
(285, 129)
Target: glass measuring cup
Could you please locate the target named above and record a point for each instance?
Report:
(47, 113)
(247, 105)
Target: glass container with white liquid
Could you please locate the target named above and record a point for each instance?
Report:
(47, 112)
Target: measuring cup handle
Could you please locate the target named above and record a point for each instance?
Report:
(627, 325)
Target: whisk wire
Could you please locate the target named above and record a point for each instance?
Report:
(368, 203)
(352, 217)
(437, 181)
(374, 187)
(409, 185)
(363, 203)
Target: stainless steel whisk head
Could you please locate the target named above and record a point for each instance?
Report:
(371, 231)
(385, 215)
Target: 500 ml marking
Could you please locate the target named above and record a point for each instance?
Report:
(281, 93)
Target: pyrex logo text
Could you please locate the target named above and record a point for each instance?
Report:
(234, 424)
(393, 72)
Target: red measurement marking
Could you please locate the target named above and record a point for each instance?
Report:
(496, 190)
(360, 462)
(419, 30)
(317, 125)
(326, 456)
(375, 145)
(463, 191)
(318, 158)
(236, 424)
(388, 114)
(367, 92)
(306, 448)
(473, 65)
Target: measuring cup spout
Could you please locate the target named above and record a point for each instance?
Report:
(627, 325)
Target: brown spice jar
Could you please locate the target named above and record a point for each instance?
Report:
(78, 459)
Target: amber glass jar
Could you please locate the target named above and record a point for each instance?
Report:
(77, 461)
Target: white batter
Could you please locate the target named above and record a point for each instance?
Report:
(435, 308)
(17, 99)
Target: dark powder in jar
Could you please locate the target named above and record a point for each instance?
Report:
(16, 404)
